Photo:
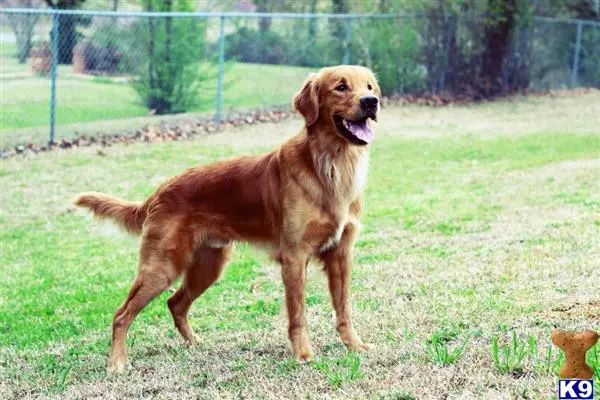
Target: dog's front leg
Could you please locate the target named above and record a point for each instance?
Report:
(293, 272)
(338, 266)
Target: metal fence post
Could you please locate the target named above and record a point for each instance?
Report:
(220, 71)
(576, 55)
(55, 23)
(347, 38)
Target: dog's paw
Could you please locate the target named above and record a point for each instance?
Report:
(353, 341)
(358, 346)
(116, 365)
(116, 368)
(305, 357)
(303, 351)
(192, 341)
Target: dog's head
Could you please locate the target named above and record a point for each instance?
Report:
(340, 100)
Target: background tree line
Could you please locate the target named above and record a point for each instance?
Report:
(481, 48)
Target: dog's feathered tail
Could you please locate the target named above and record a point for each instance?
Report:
(130, 215)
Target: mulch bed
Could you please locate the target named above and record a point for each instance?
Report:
(190, 127)
(161, 132)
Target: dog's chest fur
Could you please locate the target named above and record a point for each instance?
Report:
(346, 177)
(318, 199)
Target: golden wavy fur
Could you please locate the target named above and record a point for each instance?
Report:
(302, 200)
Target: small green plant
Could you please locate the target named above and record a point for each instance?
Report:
(509, 357)
(437, 347)
(337, 371)
(201, 380)
(514, 356)
(61, 383)
(288, 367)
(593, 359)
(550, 364)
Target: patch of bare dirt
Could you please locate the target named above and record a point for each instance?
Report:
(586, 309)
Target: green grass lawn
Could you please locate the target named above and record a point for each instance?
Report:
(25, 98)
(481, 234)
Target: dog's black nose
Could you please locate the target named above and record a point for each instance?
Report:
(369, 102)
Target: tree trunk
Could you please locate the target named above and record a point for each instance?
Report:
(338, 27)
(67, 38)
(384, 6)
(497, 43)
(312, 22)
(168, 84)
(264, 24)
(434, 47)
(152, 39)
(447, 73)
(67, 33)
(22, 26)
(339, 7)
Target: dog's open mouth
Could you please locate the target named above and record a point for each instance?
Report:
(357, 132)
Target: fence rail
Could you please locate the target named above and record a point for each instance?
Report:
(203, 14)
(114, 54)
(229, 14)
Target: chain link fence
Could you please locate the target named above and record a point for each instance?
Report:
(65, 73)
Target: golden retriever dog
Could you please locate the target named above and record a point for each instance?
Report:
(302, 201)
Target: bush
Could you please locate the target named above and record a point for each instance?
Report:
(170, 73)
(252, 46)
(123, 37)
(283, 48)
(88, 58)
(392, 49)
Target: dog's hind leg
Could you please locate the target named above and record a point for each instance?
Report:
(203, 271)
(146, 286)
(161, 261)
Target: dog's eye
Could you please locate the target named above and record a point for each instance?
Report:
(342, 87)
(369, 86)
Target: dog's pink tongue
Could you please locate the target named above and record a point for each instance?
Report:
(361, 130)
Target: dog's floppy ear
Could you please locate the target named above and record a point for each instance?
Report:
(306, 101)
